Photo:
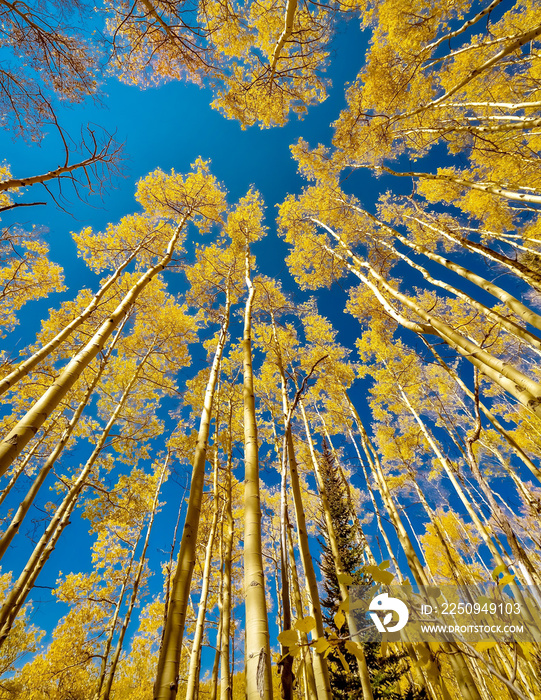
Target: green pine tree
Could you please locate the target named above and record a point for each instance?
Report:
(386, 673)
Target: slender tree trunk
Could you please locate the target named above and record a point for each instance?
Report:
(489, 187)
(114, 621)
(286, 663)
(379, 522)
(24, 463)
(517, 307)
(519, 553)
(257, 642)
(508, 324)
(321, 672)
(308, 669)
(216, 664)
(195, 657)
(166, 684)
(226, 688)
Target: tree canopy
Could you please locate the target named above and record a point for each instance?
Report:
(202, 457)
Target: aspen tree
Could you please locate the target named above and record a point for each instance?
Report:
(526, 314)
(225, 669)
(410, 100)
(66, 666)
(26, 274)
(200, 209)
(377, 513)
(286, 665)
(526, 390)
(27, 501)
(481, 528)
(257, 641)
(458, 663)
(24, 639)
(125, 405)
(114, 620)
(419, 677)
(307, 663)
(27, 365)
(467, 452)
(495, 423)
(284, 520)
(24, 461)
(500, 517)
(216, 664)
(263, 60)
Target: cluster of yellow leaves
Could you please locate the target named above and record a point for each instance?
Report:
(27, 274)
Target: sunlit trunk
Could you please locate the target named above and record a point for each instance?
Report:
(257, 642)
(195, 657)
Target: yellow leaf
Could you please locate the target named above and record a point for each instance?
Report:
(354, 649)
(339, 619)
(287, 638)
(378, 575)
(321, 645)
(498, 570)
(305, 624)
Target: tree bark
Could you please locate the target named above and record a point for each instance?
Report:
(226, 687)
(195, 656)
(257, 642)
